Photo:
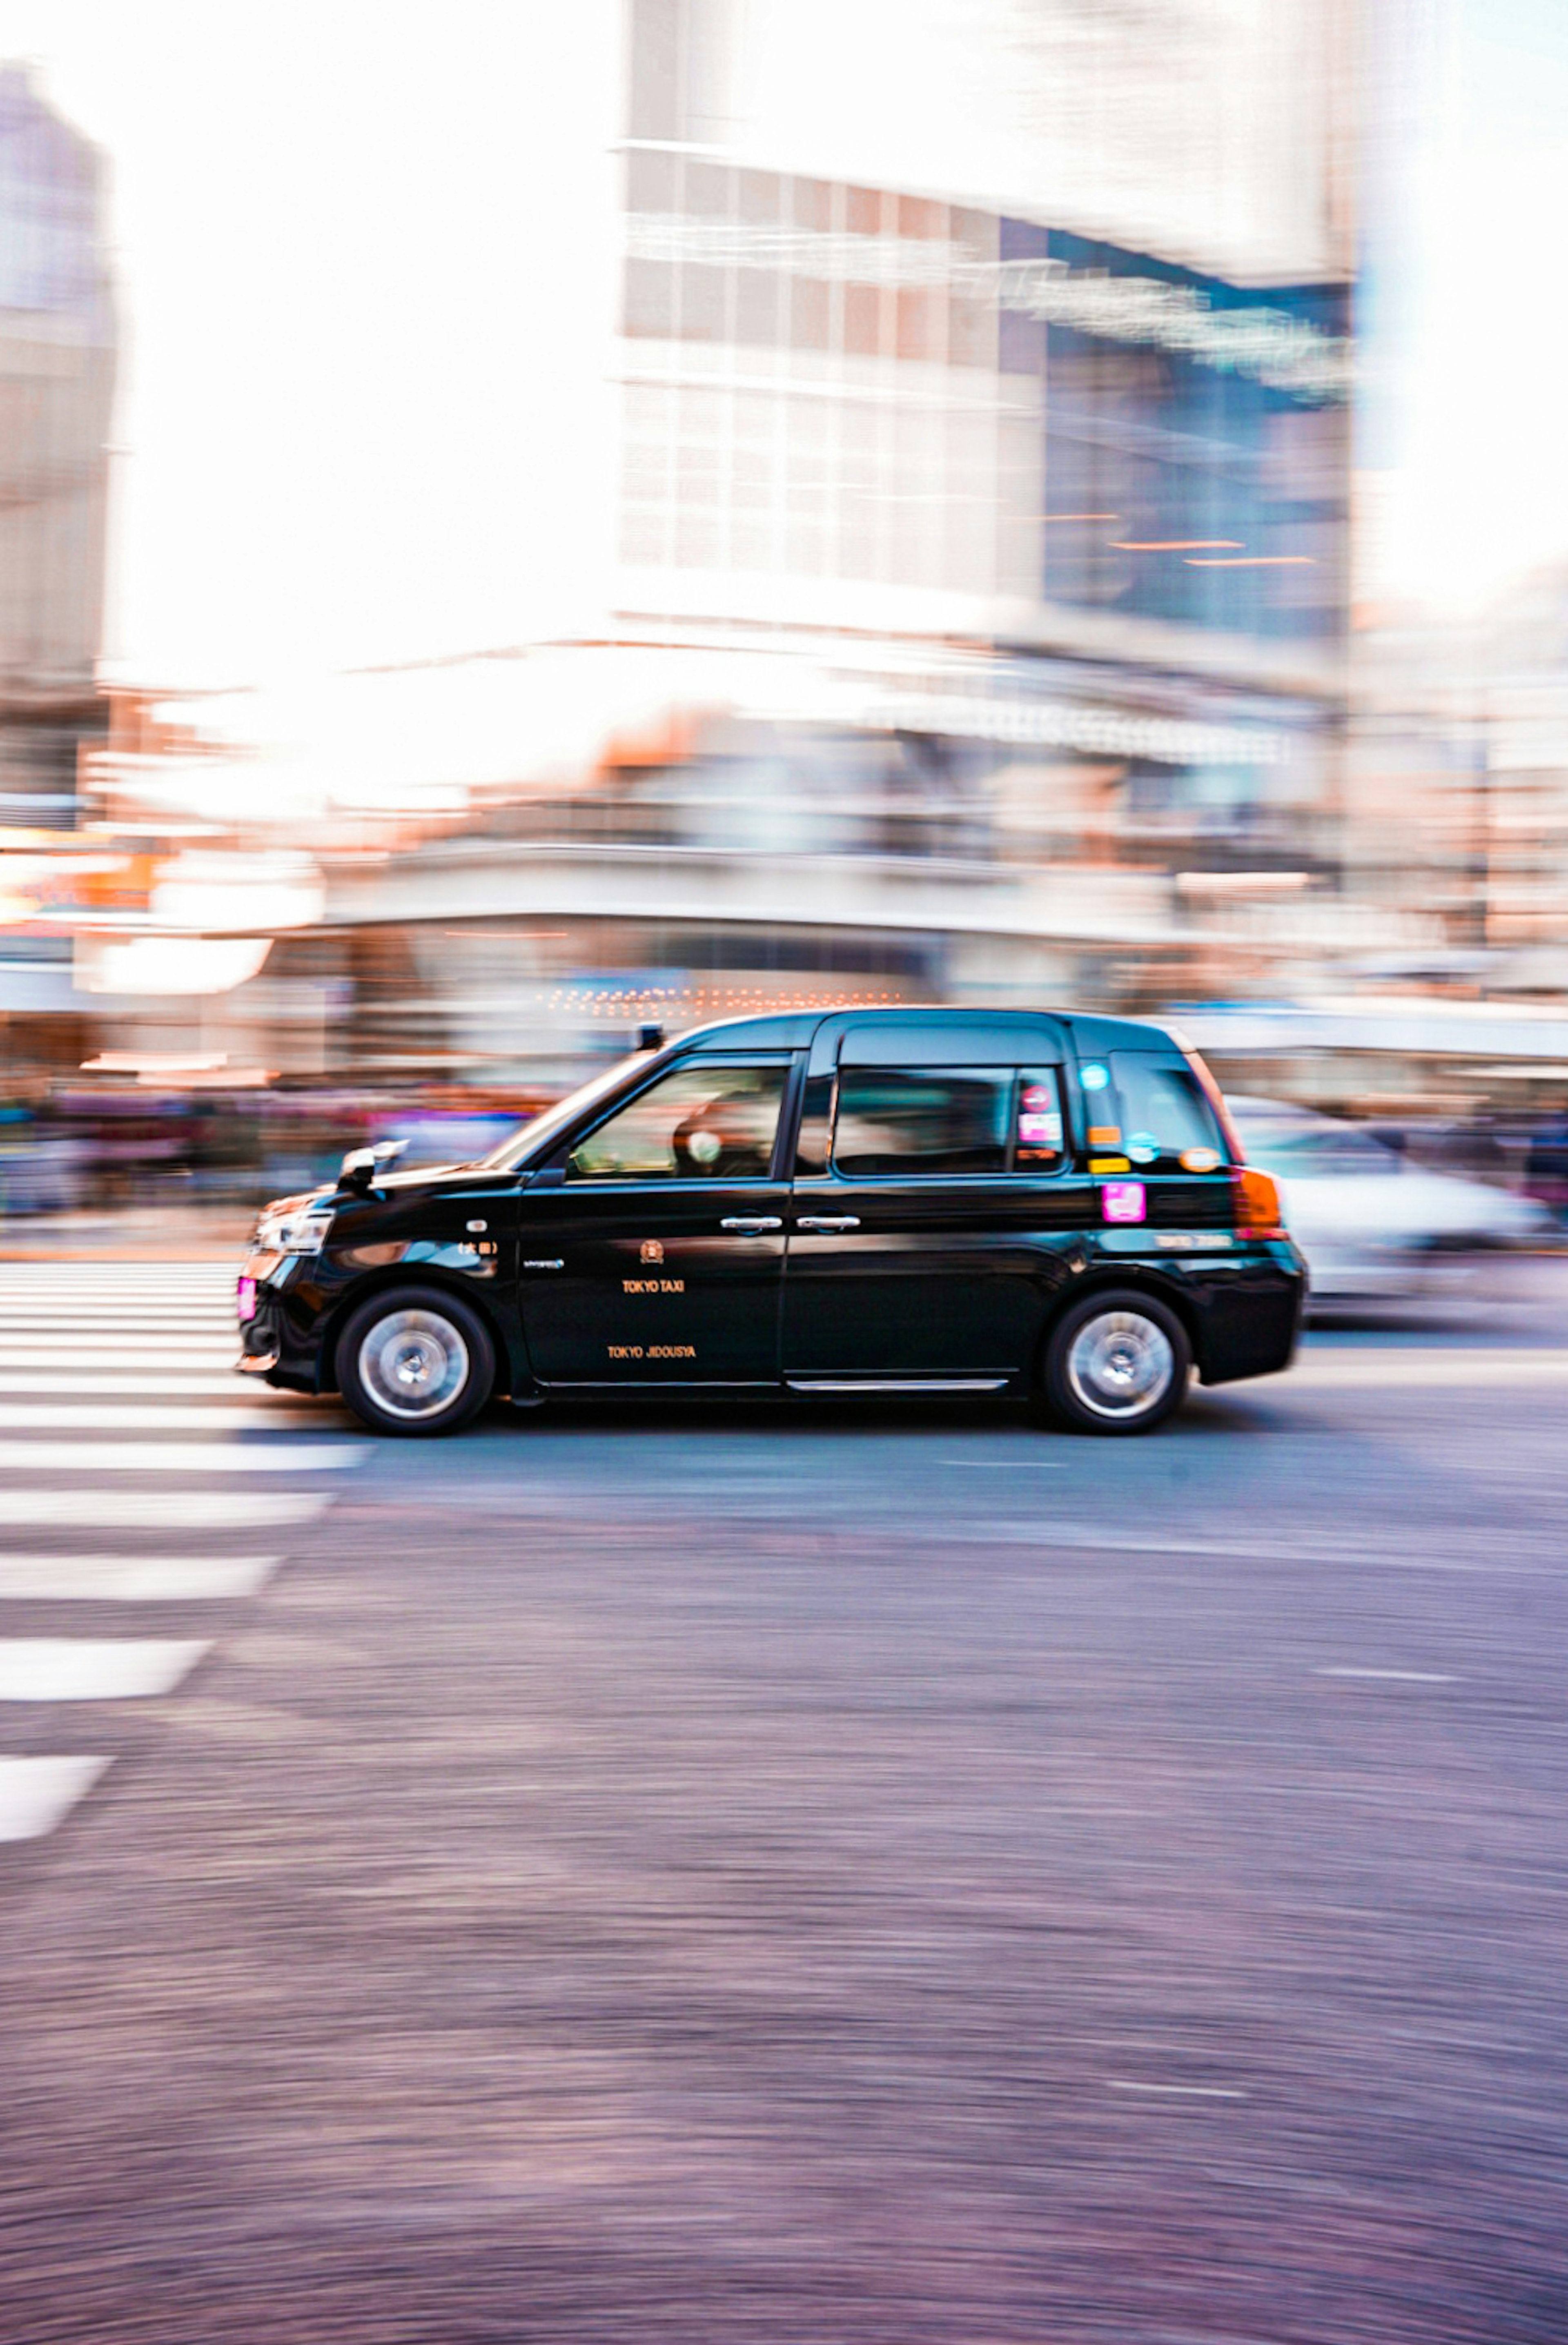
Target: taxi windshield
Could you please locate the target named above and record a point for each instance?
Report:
(543, 1128)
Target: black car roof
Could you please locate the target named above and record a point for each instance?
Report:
(796, 1030)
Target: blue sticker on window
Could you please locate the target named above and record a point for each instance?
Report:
(1094, 1077)
(1142, 1147)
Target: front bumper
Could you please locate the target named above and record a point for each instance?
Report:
(275, 1347)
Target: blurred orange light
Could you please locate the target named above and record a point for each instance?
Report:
(1168, 545)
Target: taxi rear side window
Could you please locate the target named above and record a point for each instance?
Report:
(1166, 1119)
(895, 1121)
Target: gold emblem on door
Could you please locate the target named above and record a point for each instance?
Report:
(652, 1250)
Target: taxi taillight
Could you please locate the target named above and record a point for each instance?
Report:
(1258, 1207)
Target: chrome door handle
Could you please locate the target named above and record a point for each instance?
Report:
(827, 1223)
(752, 1225)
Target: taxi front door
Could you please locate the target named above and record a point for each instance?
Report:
(653, 1253)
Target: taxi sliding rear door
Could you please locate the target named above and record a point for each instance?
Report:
(929, 1206)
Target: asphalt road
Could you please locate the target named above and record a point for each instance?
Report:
(782, 1876)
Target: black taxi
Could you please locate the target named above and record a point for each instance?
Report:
(843, 1201)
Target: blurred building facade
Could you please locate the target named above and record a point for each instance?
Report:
(57, 358)
(57, 355)
(972, 621)
(982, 378)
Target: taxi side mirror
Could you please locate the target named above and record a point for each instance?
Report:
(360, 1166)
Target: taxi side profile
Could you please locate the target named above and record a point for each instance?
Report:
(828, 1203)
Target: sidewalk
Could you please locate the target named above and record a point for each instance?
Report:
(155, 1233)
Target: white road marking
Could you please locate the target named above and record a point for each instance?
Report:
(95, 1669)
(164, 1351)
(134, 1578)
(48, 1380)
(36, 1793)
(104, 1416)
(1363, 1365)
(1101, 1539)
(1397, 1677)
(160, 1510)
(1177, 2092)
(139, 1335)
(269, 1456)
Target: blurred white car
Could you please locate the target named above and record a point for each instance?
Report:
(1369, 1222)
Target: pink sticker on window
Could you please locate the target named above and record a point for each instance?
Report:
(245, 1299)
(1123, 1200)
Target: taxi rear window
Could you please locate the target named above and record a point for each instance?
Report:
(896, 1121)
(1166, 1117)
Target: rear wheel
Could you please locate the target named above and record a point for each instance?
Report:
(416, 1361)
(1118, 1362)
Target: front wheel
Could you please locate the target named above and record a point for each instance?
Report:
(415, 1360)
(1118, 1362)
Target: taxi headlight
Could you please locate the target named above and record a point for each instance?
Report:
(292, 1232)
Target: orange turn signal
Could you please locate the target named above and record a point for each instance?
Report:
(1258, 1207)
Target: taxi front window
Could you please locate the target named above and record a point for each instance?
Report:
(699, 1122)
(532, 1136)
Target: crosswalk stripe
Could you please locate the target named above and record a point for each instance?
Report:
(95, 1669)
(156, 1279)
(48, 1380)
(100, 1283)
(171, 1416)
(160, 1510)
(35, 1794)
(181, 1456)
(104, 1327)
(114, 1315)
(133, 1578)
(104, 1370)
(164, 1351)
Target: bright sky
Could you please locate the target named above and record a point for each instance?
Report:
(1474, 332)
(360, 358)
(354, 335)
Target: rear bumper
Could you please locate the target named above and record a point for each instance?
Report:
(1246, 1319)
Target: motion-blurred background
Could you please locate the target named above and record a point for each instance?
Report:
(521, 525)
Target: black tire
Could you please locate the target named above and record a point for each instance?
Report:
(381, 1362)
(1117, 1362)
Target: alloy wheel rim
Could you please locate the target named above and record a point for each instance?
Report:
(414, 1363)
(1121, 1364)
